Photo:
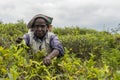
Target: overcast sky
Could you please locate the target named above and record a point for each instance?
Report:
(95, 14)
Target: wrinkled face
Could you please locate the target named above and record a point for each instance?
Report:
(40, 28)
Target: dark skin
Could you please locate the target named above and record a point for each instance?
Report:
(47, 59)
(40, 29)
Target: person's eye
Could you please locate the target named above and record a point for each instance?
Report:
(36, 26)
(42, 26)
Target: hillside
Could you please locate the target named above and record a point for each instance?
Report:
(89, 55)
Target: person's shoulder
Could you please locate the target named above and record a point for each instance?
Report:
(25, 35)
(51, 36)
(28, 35)
(51, 33)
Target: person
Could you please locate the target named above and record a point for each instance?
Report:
(40, 37)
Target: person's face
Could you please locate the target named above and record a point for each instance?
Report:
(40, 27)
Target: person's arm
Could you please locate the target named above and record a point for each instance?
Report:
(47, 59)
(57, 50)
(26, 38)
(19, 40)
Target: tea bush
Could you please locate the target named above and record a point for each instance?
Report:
(89, 55)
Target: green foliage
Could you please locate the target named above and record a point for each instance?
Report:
(73, 31)
(89, 55)
(16, 66)
(9, 33)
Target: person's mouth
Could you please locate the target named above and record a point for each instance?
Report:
(39, 32)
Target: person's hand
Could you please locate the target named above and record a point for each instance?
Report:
(19, 40)
(47, 61)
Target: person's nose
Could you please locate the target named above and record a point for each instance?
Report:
(39, 28)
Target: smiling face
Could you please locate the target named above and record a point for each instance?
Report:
(40, 28)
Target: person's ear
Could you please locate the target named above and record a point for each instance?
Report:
(31, 29)
(50, 28)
